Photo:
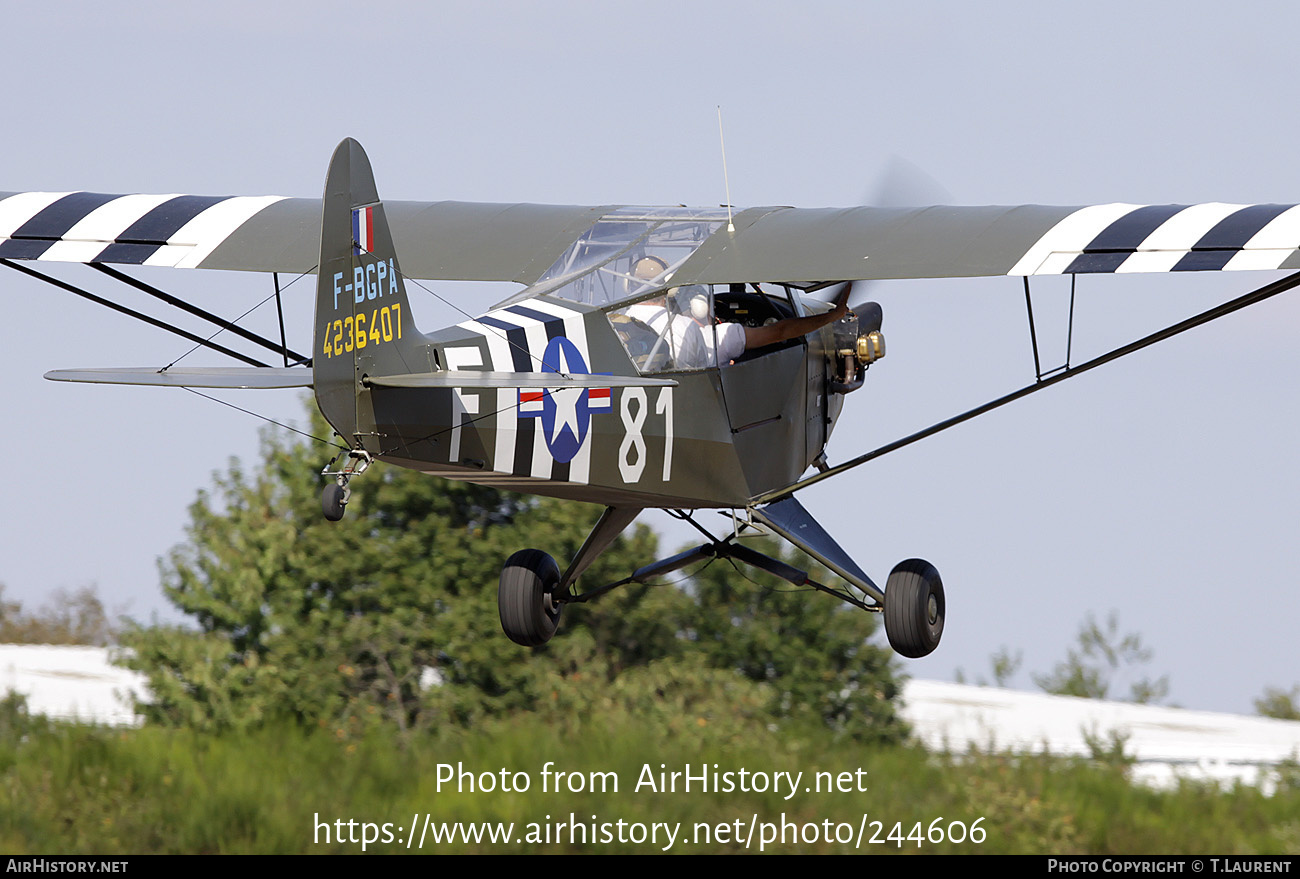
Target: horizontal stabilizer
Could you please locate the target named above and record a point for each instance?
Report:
(466, 379)
(262, 378)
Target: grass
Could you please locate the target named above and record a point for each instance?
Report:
(70, 789)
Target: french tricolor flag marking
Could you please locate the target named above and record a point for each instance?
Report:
(363, 230)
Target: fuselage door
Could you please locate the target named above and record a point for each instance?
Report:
(766, 392)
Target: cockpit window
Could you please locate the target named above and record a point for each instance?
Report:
(615, 259)
(697, 326)
(671, 331)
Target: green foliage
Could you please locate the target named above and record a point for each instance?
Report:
(15, 720)
(1089, 671)
(338, 624)
(388, 618)
(673, 696)
(1110, 749)
(1279, 703)
(809, 649)
(1286, 777)
(1010, 791)
(1003, 667)
(83, 790)
(67, 618)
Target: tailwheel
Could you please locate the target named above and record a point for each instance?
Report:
(526, 598)
(333, 501)
(334, 497)
(914, 608)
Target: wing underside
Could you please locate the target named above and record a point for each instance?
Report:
(503, 242)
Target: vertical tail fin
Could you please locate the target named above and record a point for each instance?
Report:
(363, 323)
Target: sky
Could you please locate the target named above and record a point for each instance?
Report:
(1160, 488)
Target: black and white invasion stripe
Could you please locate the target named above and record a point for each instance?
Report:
(1165, 238)
(167, 230)
(516, 338)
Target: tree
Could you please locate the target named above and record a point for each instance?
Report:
(811, 649)
(390, 615)
(1003, 667)
(1279, 703)
(1090, 670)
(67, 618)
(339, 623)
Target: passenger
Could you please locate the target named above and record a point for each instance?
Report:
(699, 304)
(734, 339)
(684, 344)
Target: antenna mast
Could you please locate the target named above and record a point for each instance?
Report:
(731, 227)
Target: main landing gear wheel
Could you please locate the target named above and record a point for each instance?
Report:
(914, 608)
(526, 598)
(333, 501)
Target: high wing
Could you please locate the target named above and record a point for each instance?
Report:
(476, 242)
(513, 400)
(520, 242)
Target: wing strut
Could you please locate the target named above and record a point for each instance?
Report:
(207, 315)
(1265, 292)
(152, 321)
(279, 312)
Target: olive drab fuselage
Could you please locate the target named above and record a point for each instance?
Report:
(716, 428)
(721, 435)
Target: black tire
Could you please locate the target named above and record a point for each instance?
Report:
(332, 503)
(914, 608)
(525, 599)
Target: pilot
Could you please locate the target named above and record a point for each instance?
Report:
(732, 339)
(648, 268)
(685, 343)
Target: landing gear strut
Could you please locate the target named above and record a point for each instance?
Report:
(334, 497)
(533, 591)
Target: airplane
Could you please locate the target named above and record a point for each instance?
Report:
(676, 358)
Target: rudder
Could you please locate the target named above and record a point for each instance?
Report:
(363, 323)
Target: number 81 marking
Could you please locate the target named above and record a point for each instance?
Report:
(632, 451)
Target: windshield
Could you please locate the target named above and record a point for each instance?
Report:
(629, 252)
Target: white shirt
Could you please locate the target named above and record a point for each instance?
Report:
(731, 342)
(684, 342)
